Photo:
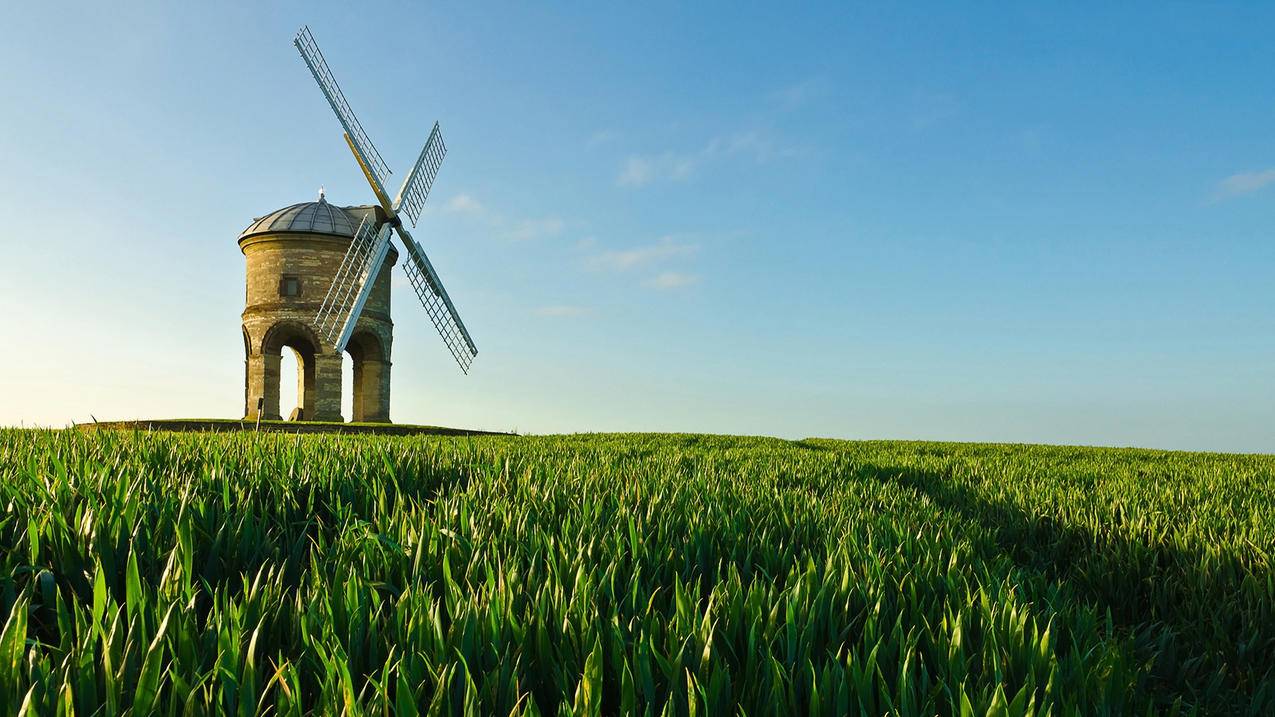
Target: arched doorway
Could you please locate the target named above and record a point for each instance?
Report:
(291, 384)
(371, 378)
(302, 344)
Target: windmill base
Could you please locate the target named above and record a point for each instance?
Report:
(228, 425)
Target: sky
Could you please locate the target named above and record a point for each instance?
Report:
(1045, 223)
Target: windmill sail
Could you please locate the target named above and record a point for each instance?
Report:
(438, 305)
(415, 190)
(353, 283)
(350, 288)
(363, 148)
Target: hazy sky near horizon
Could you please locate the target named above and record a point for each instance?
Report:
(1040, 223)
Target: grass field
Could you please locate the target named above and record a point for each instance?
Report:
(665, 574)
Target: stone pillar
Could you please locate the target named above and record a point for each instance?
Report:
(327, 388)
(254, 384)
(372, 391)
(357, 403)
(263, 382)
(306, 383)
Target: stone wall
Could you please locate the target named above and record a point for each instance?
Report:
(273, 322)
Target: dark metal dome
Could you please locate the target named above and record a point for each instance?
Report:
(311, 217)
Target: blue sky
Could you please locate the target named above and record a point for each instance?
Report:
(1047, 224)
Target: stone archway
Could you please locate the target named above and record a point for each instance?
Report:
(300, 339)
(370, 356)
(318, 375)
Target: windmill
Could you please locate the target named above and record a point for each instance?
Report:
(352, 284)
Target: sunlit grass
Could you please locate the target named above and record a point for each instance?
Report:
(628, 573)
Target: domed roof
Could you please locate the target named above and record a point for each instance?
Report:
(312, 217)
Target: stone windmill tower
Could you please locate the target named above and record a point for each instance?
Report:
(293, 256)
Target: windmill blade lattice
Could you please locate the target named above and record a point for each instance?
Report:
(411, 197)
(353, 282)
(438, 305)
(363, 146)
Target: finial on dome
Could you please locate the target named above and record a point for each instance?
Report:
(321, 199)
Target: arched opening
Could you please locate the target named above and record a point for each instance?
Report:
(369, 394)
(291, 384)
(347, 379)
(288, 352)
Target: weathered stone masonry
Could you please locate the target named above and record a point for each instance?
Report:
(292, 256)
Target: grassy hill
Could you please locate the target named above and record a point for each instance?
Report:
(237, 425)
(665, 574)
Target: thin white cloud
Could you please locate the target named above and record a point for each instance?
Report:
(751, 144)
(796, 95)
(672, 280)
(640, 170)
(562, 311)
(463, 204)
(502, 227)
(636, 172)
(601, 137)
(529, 229)
(1237, 185)
(636, 257)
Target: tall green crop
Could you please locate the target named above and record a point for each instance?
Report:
(240, 573)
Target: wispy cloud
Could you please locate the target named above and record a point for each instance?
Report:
(651, 257)
(1237, 185)
(499, 226)
(640, 170)
(636, 172)
(562, 311)
(601, 137)
(636, 257)
(529, 229)
(463, 204)
(750, 144)
(672, 280)
(798, 94)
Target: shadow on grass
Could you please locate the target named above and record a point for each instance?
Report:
(1203, 620)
